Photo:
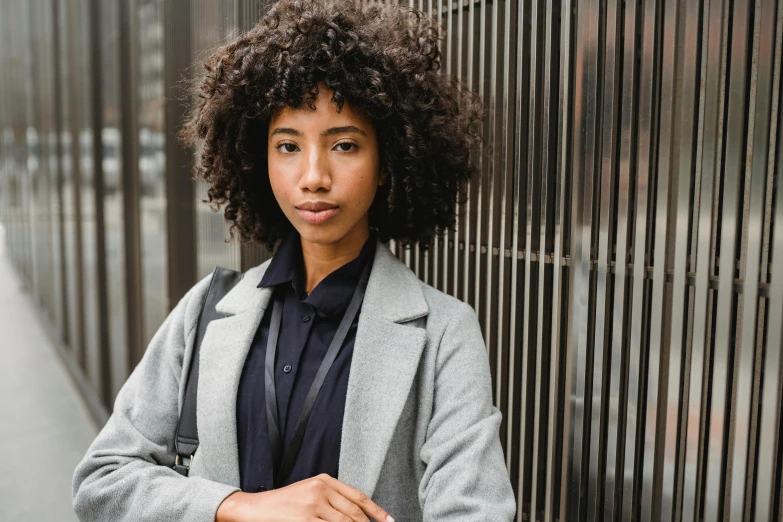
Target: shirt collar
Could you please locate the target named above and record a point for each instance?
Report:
(333, 294)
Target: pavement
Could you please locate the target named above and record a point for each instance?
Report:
(45, 428)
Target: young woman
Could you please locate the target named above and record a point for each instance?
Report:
(327, 128)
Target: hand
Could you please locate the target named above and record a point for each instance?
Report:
(321, 498)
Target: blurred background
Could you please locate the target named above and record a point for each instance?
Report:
(623, 250)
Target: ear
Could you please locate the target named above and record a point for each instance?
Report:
(382, 177)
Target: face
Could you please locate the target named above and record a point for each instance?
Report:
(324, 170)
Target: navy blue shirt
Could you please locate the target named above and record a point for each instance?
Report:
(309, 322)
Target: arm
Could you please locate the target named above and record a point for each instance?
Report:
(465, 477)
(126, 472)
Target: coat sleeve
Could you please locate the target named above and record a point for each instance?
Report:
(125, 474)
(465, 477)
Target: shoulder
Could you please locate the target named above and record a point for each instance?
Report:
(457, 352)
(189, 306)
(447, 311)
(439, 301)
(398, 279)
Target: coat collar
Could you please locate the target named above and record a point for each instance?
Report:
(393, 290)
(383, 366)
(333, 294)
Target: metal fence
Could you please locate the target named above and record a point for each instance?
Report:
(623, 250)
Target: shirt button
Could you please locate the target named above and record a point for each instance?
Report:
(261, 488)
(287, 368)
(305, 318)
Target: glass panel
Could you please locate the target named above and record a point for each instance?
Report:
(111, 140)
(151, 166)
(39, 152)
(56, 231)
(23, 131)
(212, 22)
(69, 193)
(86, 172)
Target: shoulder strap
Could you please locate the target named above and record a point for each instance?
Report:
(186, 441)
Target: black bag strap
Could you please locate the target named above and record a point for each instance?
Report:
(290, 453)
(186, 442)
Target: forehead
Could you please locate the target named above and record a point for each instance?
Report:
(325, 114)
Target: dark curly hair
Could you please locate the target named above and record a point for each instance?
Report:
(383, 59)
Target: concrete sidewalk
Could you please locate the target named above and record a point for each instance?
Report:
(44, 426)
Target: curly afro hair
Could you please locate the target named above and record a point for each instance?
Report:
(384, 60)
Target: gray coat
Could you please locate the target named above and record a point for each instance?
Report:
(420, 431)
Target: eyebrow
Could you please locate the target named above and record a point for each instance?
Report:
(324, 134)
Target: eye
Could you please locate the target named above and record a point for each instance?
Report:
(286, 145)
(346, 143)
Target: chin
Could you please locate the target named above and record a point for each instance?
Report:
(319, 234)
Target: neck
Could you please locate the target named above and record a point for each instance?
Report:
(320, 259)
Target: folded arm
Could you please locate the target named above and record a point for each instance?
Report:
(126, 474)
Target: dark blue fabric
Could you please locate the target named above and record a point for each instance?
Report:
(309, 322)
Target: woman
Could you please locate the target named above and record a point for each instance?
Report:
(327, 128)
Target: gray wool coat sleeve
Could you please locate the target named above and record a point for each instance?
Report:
(126, 472)
(465, 477)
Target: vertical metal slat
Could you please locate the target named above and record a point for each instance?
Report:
(722, 352)
(686, 39)
(585, 86)
(557, 341)
(756, 169)
(526, 312)
(596, 508)
(631, 474)
(614, 468)
(771, 399)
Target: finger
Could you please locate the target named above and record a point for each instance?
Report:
(358, 497)
(330, 514)
(348, 508)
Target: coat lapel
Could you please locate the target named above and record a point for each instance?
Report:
(385, 360)
(223, 352)
(384, 363)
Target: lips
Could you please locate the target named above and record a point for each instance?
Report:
(316, 206)
(316, 212)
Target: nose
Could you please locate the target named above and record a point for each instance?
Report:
(316, 175)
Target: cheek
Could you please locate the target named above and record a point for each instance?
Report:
(364, 180)
(363, 189)
(280, 192)
(277, 182)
